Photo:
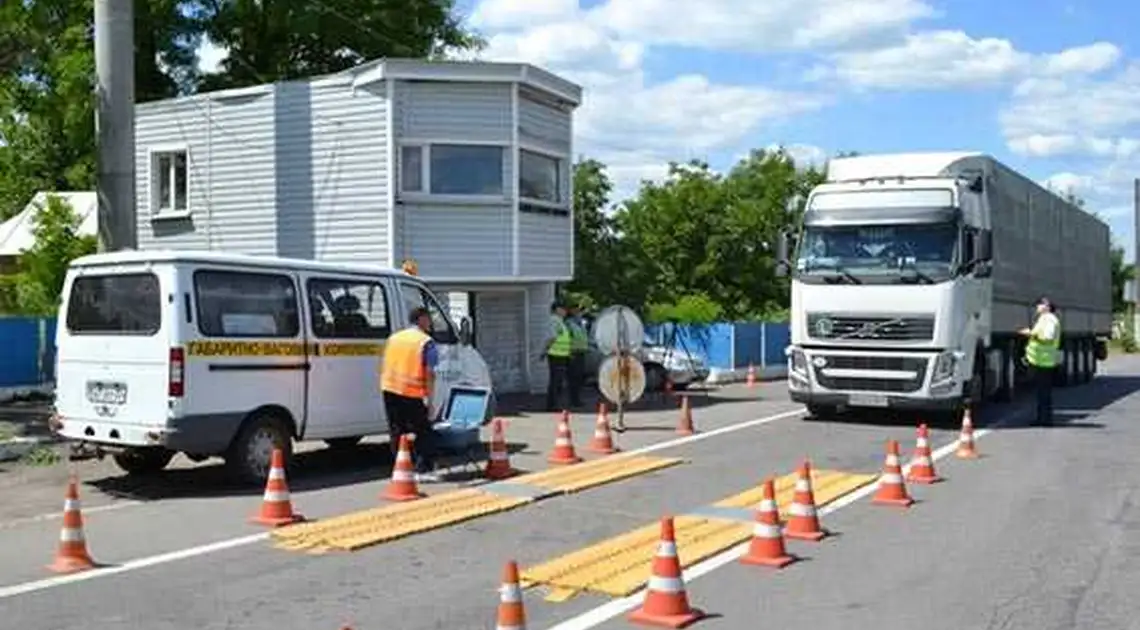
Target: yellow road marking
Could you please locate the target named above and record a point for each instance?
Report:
(358, 530)
(620, 566)
(594, 473)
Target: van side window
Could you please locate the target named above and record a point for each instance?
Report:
(348, 309)
(246, 304)
(415, 296)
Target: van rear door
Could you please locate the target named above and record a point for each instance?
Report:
(113, 354)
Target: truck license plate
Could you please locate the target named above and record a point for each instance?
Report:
(867, 400)
(102, 393)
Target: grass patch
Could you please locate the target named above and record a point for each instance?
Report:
(41, 456)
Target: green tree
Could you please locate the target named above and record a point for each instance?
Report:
(1121, 274)
(274, 40)
(42, 268)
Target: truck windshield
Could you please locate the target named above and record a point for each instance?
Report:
(878, 253)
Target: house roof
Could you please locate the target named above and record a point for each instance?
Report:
(16, 233)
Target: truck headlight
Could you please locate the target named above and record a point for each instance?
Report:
(945, 366)
(797, 360)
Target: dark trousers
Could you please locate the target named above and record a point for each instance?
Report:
(558, 369)
(577, 376)
(1043, 386)
(410, 415)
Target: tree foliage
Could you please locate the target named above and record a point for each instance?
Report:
(42, 268)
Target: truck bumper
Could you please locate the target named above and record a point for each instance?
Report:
(892, 402)
(844, 378)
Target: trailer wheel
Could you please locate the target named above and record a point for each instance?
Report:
(249, 456)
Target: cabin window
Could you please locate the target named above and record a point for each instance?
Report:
(348, 309)
(170, 182)
(452, 169)
(540, 177)
(415, 296)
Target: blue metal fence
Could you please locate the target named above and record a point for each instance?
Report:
(28, 356)
(728, 346)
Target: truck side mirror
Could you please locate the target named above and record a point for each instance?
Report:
(465, 331)
(782, 247)
(985, 246)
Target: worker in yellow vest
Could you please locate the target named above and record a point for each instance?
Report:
(407, 380)
(1042, 353)
(556, 351)
(579, 345)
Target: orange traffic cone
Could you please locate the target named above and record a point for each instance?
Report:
(803, 521)
(666, 604)
(563, 452)
(499, 459)
(751, 376)
(685, 426)
(72, 556)
(667, 388)
(922, 464)
(966, 448)
(767, 548)
(276, 505)
(603, 441)
(892, 488)
(512, 616)
(402, 486)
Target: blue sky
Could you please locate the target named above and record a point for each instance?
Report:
(1050, 87)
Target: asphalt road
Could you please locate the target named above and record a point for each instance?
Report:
(1039, 533)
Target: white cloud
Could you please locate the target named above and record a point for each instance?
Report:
(953, 59)
(634, 125)
(749, 25)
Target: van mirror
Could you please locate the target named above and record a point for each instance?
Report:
(782, 247)
(465, 330)
(985, 246)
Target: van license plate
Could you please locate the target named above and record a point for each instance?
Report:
(102, 393)
(867, 400)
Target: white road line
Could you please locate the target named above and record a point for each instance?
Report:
(184, 554)
(605, 612)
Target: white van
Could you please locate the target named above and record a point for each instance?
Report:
(211, 354)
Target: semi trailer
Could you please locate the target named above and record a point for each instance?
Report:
(911, 275)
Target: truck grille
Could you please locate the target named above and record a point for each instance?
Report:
(848, 362)
(827, 326)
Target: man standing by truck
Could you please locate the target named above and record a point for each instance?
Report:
(407, 380)
(1041, 353)
(579, 345)
(556, 351)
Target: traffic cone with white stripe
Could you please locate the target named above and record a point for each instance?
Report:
(751, 379)
(276, 505)
(512, 616)
(892, 488)
(563, 452)
(402, 486)
(803, 521)
(767, 548)
(966, 448)
(603, 441)
(922, 464)
(499, 459)
(666, 604)
(72, 555)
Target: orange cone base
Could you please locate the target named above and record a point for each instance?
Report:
(71, 565)
(685, 431)
(399, 495)
(279, 521)
(562, 461)
(777, 562)
(966, 454)
(495, 473)
(923, 479)
(904, 502)
(603, 451)
(666, 621)
(808, 536)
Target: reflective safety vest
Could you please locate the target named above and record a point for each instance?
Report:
(579, 340)
(404, 372)
(562, 342)
(1044, 354)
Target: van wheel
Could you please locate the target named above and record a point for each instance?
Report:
(143, 461)
(248, 458)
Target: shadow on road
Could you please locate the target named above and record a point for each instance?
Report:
(310, 470)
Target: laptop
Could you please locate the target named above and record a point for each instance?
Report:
(465, 410)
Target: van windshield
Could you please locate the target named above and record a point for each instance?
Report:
(115, 304)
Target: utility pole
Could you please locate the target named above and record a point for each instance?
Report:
(115, 123)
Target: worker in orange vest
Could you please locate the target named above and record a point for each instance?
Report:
(407, 380)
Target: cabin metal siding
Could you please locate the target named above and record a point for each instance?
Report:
(232, 173)
(543, 126)
(538, 300)
(333, 172)
(544, 246)
(456, 239)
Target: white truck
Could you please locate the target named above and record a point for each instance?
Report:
(912, 274)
